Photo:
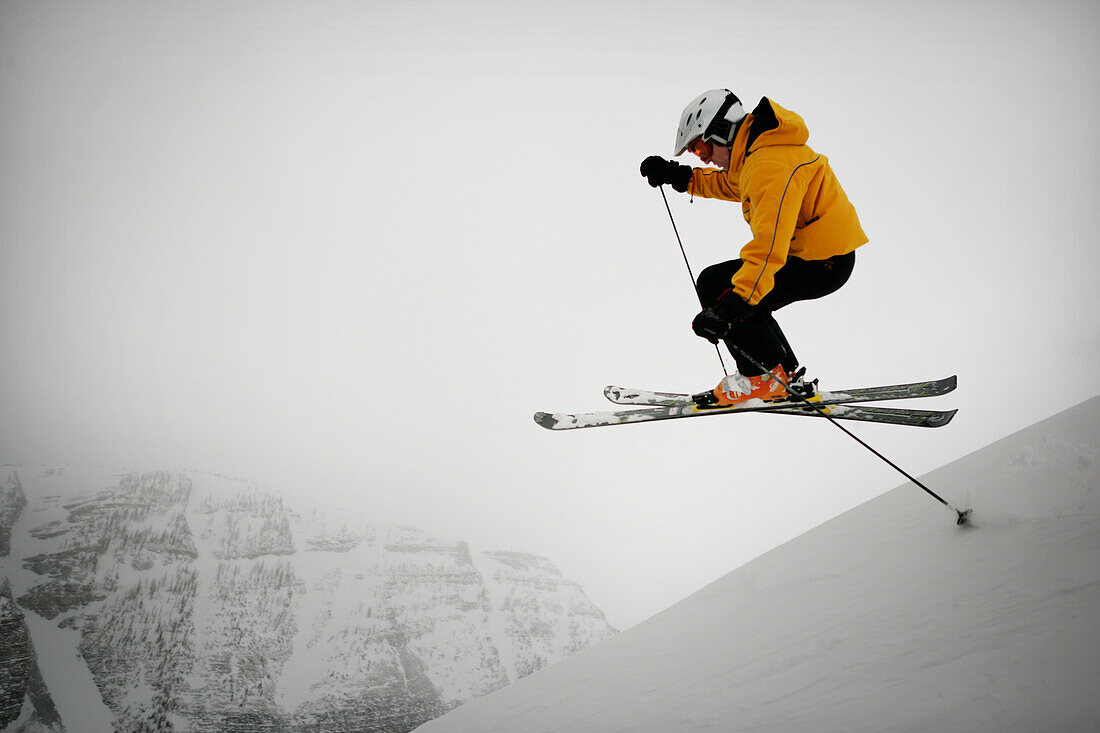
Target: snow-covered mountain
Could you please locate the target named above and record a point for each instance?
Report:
(887, 618)
(193, 602)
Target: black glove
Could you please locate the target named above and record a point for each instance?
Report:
(658, 170)
(715, 323)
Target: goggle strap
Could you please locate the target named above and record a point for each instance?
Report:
(720, 128)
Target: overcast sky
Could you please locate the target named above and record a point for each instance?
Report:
(346, 250)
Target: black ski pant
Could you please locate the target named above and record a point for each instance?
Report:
(759, 335)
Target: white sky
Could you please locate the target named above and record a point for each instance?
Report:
(347, 251)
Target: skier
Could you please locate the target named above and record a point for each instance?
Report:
(804, 232)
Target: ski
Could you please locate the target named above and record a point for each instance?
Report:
(649, 398)
(881, 415)
(683, 406)
(861, 413)
(885, 415)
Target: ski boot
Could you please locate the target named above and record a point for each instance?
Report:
(768, 387)
(737, 388)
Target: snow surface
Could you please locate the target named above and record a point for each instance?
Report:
(887, 618)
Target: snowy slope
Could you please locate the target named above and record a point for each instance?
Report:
(886, 618)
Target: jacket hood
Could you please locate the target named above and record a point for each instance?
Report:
(774, 125)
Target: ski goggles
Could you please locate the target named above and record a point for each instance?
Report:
(700, 148)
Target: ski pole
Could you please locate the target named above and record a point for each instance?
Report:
(962, 514)
(690, 273)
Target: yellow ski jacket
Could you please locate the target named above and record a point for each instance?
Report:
(789, 196)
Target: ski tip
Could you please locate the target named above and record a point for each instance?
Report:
(939, 419)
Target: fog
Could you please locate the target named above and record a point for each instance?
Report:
(346, 250)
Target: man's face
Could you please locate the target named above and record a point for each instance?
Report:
(720, 157)
(710, 153)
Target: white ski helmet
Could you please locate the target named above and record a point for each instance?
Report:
(713, 115)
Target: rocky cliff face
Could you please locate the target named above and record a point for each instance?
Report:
(25, 703)
(210, 605)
